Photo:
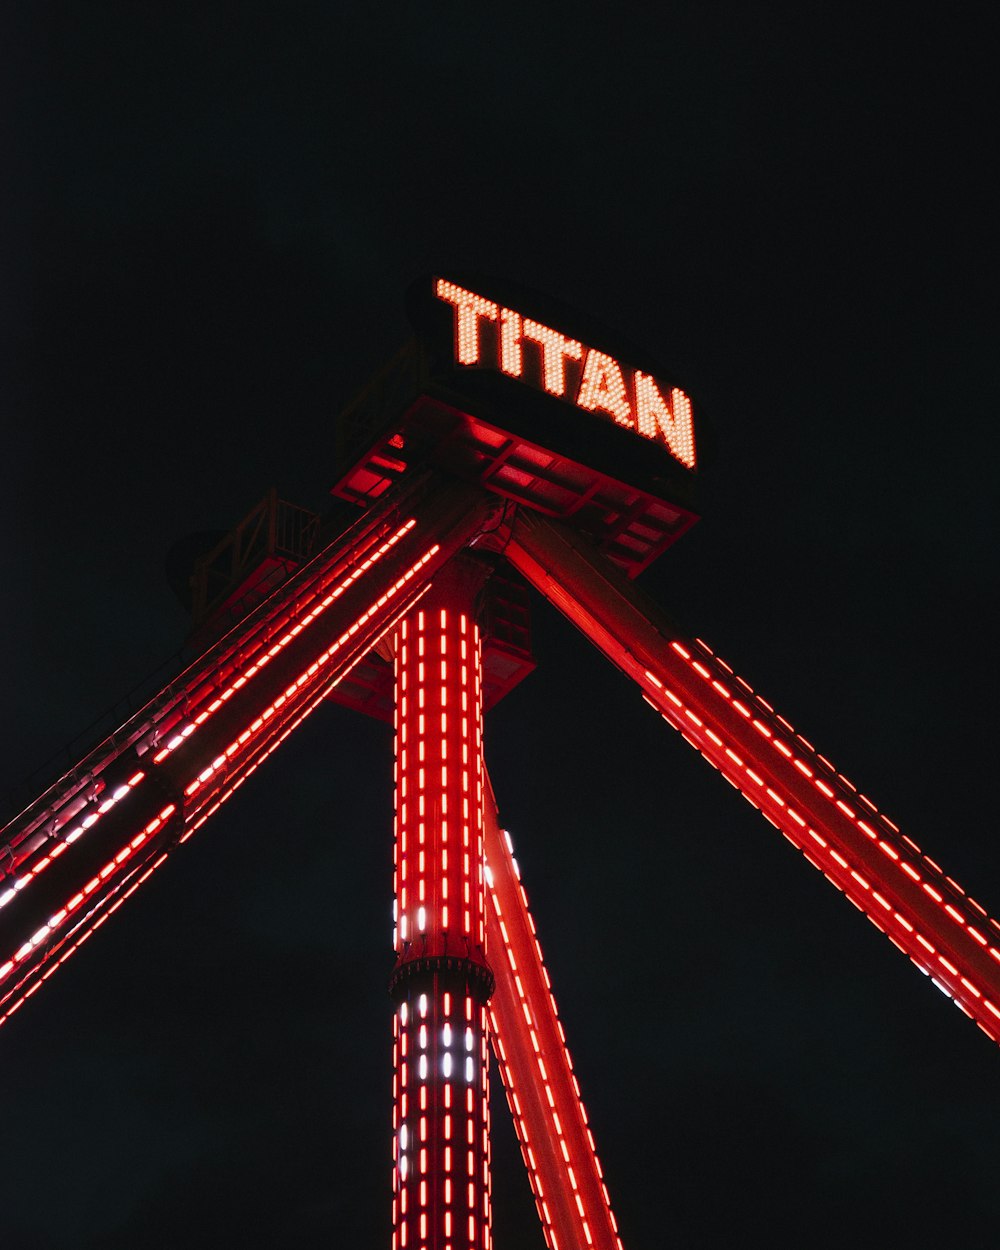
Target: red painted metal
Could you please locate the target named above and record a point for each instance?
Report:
(506, 643)
(903, 892)
(397, 578)
(530, 1047)
(114, 818)
(441, 982)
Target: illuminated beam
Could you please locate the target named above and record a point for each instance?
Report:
(206, 767)
(130, 871)
(28, 923)
(441, 981)
(68, 809)
(530, 1047)
(88, 907)
(902, 891)
(154, 845)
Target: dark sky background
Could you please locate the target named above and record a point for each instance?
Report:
(210, 216)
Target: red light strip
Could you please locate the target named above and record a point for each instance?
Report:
(59, 918)
(249, 768)
(840, 871)
(441, 1180)
(41, 821)
(55, 849)
(542, 1091)
(99, 917)
(258, 724)
(820, 764)
(465, 510)
(440, 1123)
(922, 911)
(433, 747)
(120, 859)
(56, 921)
(277, 647)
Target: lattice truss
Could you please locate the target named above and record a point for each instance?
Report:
(469, 965)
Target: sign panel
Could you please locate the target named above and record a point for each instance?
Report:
(486, 334)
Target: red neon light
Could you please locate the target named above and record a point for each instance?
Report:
(52, 824)
(257, 725)
(55, 921)
(440, 891)
(842, 873)
(453, 519)
(630, 398)
(441, 1174)
(904, 894)
(52, 850)
(104, 907)
(542, 1092)
(277, 647)
(102, 911)
(921, 945)
(802, 751)
(249, 765)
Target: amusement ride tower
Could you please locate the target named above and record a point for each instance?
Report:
(496, 449)
(441, 982)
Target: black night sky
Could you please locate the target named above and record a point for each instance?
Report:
(210, 214)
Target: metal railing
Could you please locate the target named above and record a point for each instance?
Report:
(274, 528)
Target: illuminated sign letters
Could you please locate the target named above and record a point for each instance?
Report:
(584, 376)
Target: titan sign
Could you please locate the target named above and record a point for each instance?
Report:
(564, 367)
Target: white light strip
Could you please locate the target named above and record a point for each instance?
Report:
(56, 848)
(358, 572)
(58, 919)
(202, 818)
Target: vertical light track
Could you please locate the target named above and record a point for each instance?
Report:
(77, 864)
(441, 983)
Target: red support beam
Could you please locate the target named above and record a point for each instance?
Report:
(530, 1047)
(74, 856)
(902, 891)
(80, 797)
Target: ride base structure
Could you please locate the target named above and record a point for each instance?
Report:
(495, 450)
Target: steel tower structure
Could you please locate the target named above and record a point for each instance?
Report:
(442, 981)
(495, 441)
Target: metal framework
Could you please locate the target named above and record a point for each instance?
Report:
(272, 539)
(86, 845)
(442, 981)
(450, 493)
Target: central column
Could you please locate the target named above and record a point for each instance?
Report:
(441, 981)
